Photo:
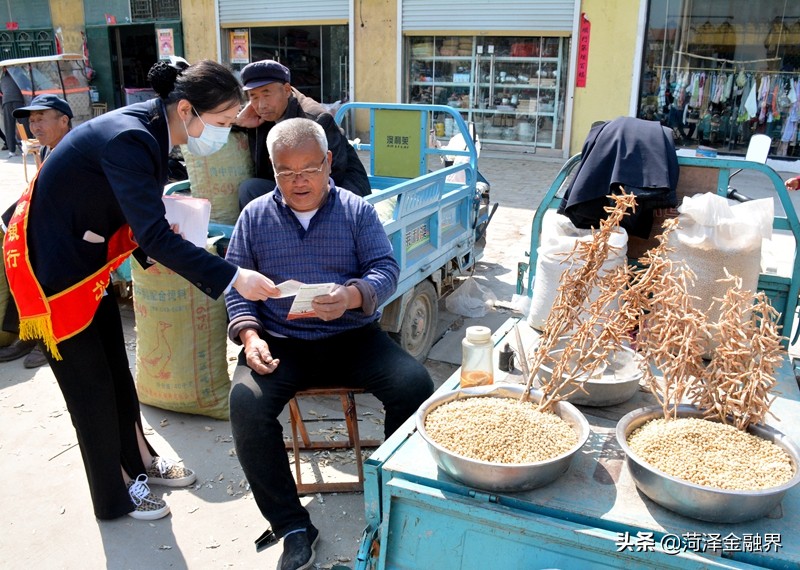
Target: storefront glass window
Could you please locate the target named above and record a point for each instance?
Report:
(511, 88)
(719, 71)
(317, 57)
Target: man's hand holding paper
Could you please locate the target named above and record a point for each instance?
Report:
(326, 301)
(304, 295)
(333, 305)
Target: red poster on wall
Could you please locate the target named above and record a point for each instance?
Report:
(583, 52)
(239, 46)
(166, 42)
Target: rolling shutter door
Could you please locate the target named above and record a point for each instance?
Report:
(524, 16)
(237, 12)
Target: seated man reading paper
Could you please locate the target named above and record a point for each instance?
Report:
(309, 231)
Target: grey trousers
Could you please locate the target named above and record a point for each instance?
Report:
(10, 124)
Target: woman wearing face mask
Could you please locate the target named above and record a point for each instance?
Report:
(95, 199)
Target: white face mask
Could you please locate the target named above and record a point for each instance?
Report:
(210, 140)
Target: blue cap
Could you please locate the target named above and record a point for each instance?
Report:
(264, 72)
(43, 103)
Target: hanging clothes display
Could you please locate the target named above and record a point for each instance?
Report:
(789, 132)
(729, 105)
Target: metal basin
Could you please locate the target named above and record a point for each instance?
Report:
(696, 501)
(501, 476)
(614, 384)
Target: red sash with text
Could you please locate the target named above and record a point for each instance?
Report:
(65, 314)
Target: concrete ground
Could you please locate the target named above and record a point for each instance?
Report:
(47, 521)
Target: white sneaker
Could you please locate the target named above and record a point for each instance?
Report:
(12, 154)
(169, 473)
(148, 506)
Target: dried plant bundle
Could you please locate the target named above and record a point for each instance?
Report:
(737, 382)
(674, 336)
(594, 327)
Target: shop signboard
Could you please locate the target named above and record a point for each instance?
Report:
(397, 143)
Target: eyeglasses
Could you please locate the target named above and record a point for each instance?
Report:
(305, 174)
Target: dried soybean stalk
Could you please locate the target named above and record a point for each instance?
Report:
(735, 386)
(584, 350)
(600, 332)
(741, 374)
(672, 333)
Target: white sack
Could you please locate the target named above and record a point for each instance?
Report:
(559, 237)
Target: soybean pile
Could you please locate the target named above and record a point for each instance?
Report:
(711, 454)
(499, 430)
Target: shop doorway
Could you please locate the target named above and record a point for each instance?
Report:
(121, 55)
(133, 53)
(316, 55)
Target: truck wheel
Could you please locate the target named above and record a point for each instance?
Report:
(419, 321)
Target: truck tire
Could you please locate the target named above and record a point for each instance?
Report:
(419, 321)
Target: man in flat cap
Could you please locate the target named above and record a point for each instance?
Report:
(273, 99)
(49, 119)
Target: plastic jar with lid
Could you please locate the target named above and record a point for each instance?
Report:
(477, 362)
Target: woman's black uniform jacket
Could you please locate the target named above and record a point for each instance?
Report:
(110, 171)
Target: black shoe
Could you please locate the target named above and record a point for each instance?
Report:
(298, 549)
(35, 358)
(16, 349)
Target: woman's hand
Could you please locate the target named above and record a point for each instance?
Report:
(253, 286)
(793, 183)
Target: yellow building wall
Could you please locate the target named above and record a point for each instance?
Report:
(68, 15)
(374, 54)
(199, 30)
(375, 50)
(612, 48)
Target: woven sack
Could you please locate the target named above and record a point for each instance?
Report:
(558, 239)
(217, 177)
(181, 361)
(714, 237)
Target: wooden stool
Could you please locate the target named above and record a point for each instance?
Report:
(304, 442)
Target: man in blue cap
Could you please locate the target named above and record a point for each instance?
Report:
(49, 119)
(272, 99)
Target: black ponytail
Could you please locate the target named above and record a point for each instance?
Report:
(162, 77)
(206, 84)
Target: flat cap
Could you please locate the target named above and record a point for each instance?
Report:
(264, 72)
(42, 103)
